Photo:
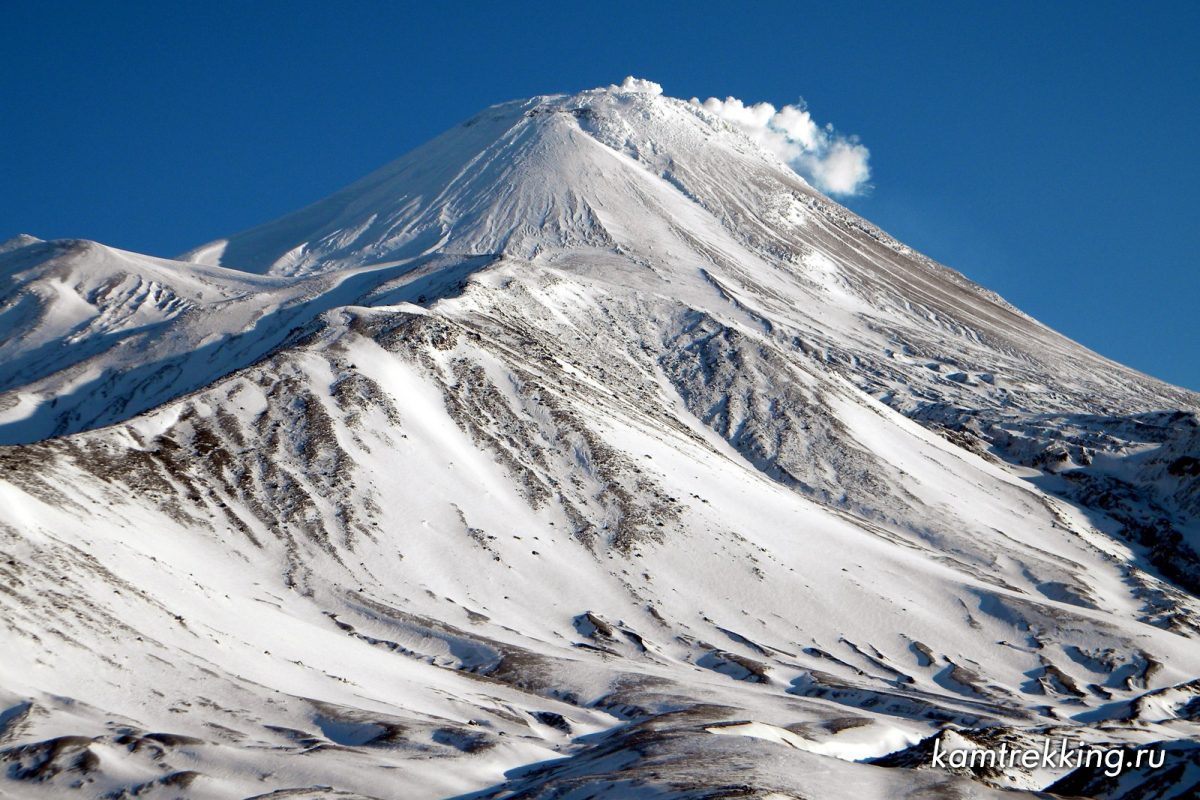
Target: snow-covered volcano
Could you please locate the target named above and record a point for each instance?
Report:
(585, 451)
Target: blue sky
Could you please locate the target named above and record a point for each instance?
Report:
(1046, 150)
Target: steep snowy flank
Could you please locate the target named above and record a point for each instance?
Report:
(585, 451)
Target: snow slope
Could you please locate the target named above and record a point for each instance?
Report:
(585, 451)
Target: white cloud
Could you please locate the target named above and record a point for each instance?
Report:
(842, 169)
(833, 163)
(637, 86)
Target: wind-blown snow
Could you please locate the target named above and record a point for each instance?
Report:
(637, 85)
(834, 163)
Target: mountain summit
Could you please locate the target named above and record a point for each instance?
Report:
(587, 436)
(604, 168)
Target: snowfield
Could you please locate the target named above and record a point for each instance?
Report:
(584, 452)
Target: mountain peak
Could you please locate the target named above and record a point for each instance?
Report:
(17, 242)
(524, 178)
(588, 415)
